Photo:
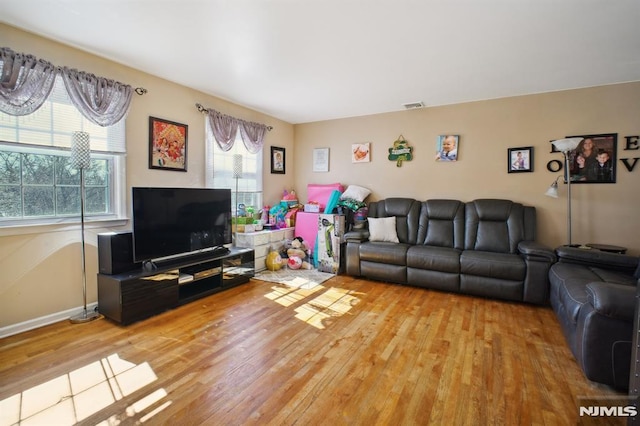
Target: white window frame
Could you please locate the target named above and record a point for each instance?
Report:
(56, 141)
(217, 178)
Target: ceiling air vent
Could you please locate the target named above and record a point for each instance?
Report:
(413, 105)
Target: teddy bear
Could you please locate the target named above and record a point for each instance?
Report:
(298, 254)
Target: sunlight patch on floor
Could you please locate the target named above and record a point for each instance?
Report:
(287, 296)
(79, 394)
(334, 302)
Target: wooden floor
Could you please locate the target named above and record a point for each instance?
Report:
(350, 351)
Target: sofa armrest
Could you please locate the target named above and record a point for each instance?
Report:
(601, 259)
(612, 300)
(532, 250)
(357, 235)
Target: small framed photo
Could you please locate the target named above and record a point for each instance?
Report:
(361, 152)
(594, 159)
(447, 148)
(321, 159)
(167, 145)
(278, 159)
(520, 159)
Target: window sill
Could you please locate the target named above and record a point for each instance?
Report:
(62, 226)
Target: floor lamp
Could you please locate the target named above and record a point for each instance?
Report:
(565, 146)
(237, 174)
(81, 159)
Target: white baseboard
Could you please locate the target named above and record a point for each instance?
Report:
(42, 321)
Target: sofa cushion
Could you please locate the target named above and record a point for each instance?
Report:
(384, 253)
(494, 225)
(441, 224)
(495, 265)
(355, 192)
(441, 259)
(568, 288)
(613, 277)
(406, 212)
(383, 229)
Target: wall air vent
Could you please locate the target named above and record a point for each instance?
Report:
(413, 105)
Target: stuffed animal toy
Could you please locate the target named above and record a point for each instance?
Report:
(299, 250)
(273, 261)
(294, 262)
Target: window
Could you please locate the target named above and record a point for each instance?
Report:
(37, 182)
(220, 172)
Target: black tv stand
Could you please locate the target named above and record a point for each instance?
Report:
(161, 285)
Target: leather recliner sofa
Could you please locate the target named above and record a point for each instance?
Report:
(592, 293)
(484, 247)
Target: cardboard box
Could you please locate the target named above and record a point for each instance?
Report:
(329, 243)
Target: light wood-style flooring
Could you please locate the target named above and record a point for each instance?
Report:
(349, 352)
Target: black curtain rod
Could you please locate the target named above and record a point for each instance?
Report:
(204, 110)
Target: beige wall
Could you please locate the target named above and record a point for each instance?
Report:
(602, 213)
(41, 265)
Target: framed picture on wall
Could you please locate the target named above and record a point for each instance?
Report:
(167, 145)
(278, 165)
(361, 152)
(321, 159)
(520, 159)
(447, 148)
(594, 159)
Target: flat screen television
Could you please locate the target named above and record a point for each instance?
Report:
(168, 222)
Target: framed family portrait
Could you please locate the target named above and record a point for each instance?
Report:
(594, 159)
(520, 159)
(167, 145)
(447, 148)
(278, 159)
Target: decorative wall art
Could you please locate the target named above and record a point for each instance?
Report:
(321, 160)
(400, 151)
(278, 158)
(167, 145)
(361, 152)
(520, 159)
(594, 160)
(447, 147)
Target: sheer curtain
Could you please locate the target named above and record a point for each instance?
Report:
(26, 82)
(225, 127)
(103, 102)
(252, 135)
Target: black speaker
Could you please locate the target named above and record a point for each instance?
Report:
(115, 253)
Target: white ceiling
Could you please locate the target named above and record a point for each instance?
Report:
(304, 60)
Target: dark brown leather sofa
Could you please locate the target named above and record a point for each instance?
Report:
(593, 296)
(484, 247)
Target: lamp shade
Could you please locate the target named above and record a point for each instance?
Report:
(553, 189)
(237, 166)
(80, 150)
(566, 145)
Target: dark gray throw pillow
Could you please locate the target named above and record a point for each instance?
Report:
(636, 274)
